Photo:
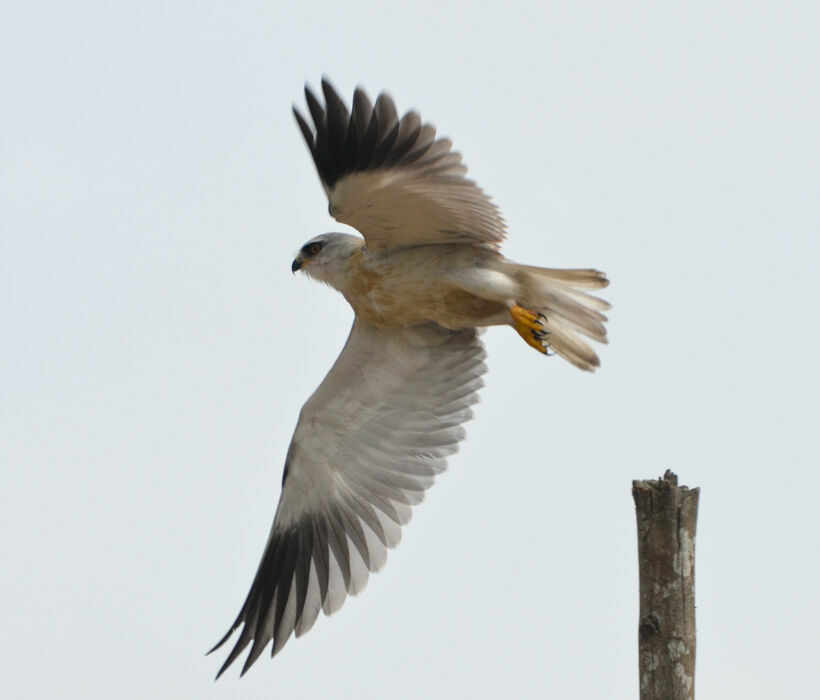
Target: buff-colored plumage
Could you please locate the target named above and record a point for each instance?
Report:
(425, 276)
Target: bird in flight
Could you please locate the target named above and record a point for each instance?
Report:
(426, 275)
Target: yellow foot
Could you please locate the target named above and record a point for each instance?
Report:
(532, 327)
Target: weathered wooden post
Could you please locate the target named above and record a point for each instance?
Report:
(667, 516)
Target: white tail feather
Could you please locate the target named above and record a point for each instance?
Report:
(570, 312)
(586, 278)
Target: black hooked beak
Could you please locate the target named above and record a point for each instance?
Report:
(297, 265)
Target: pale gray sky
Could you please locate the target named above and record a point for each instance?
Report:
(156, 348)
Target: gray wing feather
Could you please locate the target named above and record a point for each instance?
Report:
(368, 443)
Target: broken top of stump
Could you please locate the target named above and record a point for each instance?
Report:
(668, 480)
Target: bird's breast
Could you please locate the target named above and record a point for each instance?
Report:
(409, 287)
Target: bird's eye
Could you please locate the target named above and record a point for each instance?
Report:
(314, 249)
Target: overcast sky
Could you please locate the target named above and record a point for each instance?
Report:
(156, 349)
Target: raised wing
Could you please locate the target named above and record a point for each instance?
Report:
(391, 178)
(369, 441)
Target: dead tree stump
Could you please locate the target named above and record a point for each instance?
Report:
(667, 516)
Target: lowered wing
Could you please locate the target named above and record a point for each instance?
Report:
(369, 441)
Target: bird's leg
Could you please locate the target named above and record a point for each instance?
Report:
(531, 326)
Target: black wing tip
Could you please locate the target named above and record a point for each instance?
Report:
(300, 118)
(327, 84)
(364, 137)
(248, 663)
(220, 642)
(237, 650)
(317, 112)
(304, 127)
(309, 90)
(216, 646)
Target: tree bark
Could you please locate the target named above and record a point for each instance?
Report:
(667, 516)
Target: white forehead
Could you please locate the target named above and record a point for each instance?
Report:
(329, 239)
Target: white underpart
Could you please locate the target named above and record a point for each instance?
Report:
(492, 285)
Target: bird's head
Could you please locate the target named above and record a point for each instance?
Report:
(324, 256)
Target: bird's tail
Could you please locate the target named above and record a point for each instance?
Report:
(565, 311)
